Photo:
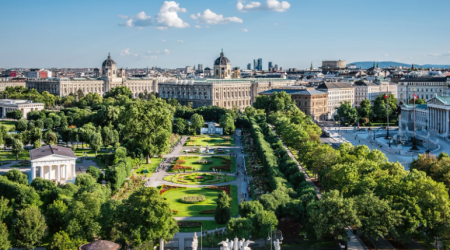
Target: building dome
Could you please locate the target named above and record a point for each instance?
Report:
(108, 62)
(222, 60)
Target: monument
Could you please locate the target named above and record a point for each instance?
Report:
(235, 245)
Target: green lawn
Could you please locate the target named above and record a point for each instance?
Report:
(9, 125)
(91, 153)
(216, 162)
(210, 140)
(9, 156)
(207, 225)
(208, 179)
(185, 210)
(149, 167)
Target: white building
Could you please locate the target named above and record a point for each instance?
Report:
(53, 163)
(424, 87)
(370, 90)
(7, 105)
(338, 92)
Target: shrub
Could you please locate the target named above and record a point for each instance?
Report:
(203, 161)
(189, 224)
(210, 211)
(193, 199)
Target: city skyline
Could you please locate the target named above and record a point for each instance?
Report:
(175, 34)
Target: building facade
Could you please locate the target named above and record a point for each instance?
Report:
(110, 77)
(424, 87)
(333, 65)
(5, 84)
(312, 102)
(370, 91)
(338, 92)
(7, 105)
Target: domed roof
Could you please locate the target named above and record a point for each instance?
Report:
(222, 60)
(108, 62)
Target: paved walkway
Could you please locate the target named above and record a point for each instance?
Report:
(157, 178)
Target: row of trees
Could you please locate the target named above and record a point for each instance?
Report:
(363, 189)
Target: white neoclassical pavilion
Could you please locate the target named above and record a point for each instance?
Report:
(53, 163)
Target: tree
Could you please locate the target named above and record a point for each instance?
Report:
(331, 215)
(84, 181)
(248, 208)
(223, 211)
(17, 176)
(179, 125)
(29, 228)
(196, 122)
(263, 222)
(21, 125)
(148, 124)
(227, 123)
(14, 114)
(376, 216)
(346, 113)
(50, 138)
(117, 91)
(96, 173)
(55, 215)
(61, 241)
(17, 148)
(96, 142)
(239, 227)
(418, 101)
(37, 144)
(379, 107)
(250, 111)
(48, 123)
(5, 244)
(365, 109)
(148, 217)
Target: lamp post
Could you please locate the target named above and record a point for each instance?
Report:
(387, 115)
(268, 236)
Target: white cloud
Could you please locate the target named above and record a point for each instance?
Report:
(180, 41)
(198, 26)
(210, 17)
(147, 55)
(386, 54)
(166, 18)
(207, 26)
(162, 40)
(126, 52)
(269, 5)
(275, 24)
(244, 30)
(439, 54)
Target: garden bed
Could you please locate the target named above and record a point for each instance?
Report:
(199, 178)
(190, 163)
(209, 140)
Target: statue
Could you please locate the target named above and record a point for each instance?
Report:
(194, 244)
(224, 245)
(276, 245)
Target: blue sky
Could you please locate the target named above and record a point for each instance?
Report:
(292, 33)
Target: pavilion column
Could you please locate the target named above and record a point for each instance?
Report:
(73, 172)
(65, 172)
(41, 172)
(33, 172)
(58, 173)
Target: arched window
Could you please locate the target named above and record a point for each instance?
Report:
(217, 72)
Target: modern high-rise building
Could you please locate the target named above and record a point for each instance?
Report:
(260, 64)
(270, 65)
(200, 67)
(249, 66)
(188, 69)
(255, 64)
(276, 67)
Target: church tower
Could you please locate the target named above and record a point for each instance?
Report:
(222, 67)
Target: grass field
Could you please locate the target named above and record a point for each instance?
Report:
(9, 156)
(91, 153)
(210, 140)
(208, 179)
(9, 125)
(207, 225)
(185, 210)
(149, 167)
(216, 162)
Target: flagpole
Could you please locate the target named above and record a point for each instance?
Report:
(414, 146)
(387, 115)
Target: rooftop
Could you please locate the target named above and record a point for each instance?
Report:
(424, 79)
(294, 91)
(333, 85)
(51, 150)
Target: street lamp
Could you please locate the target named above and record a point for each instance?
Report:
(268, 236)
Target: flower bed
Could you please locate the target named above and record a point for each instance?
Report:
(177, 166)
(193, 199)
(226, 188)
(165, 188)
(198, 177)
(174, 211)
(210, 211)
(181, 161)
(189, 224)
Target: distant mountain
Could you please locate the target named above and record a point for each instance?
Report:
(366, 65)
